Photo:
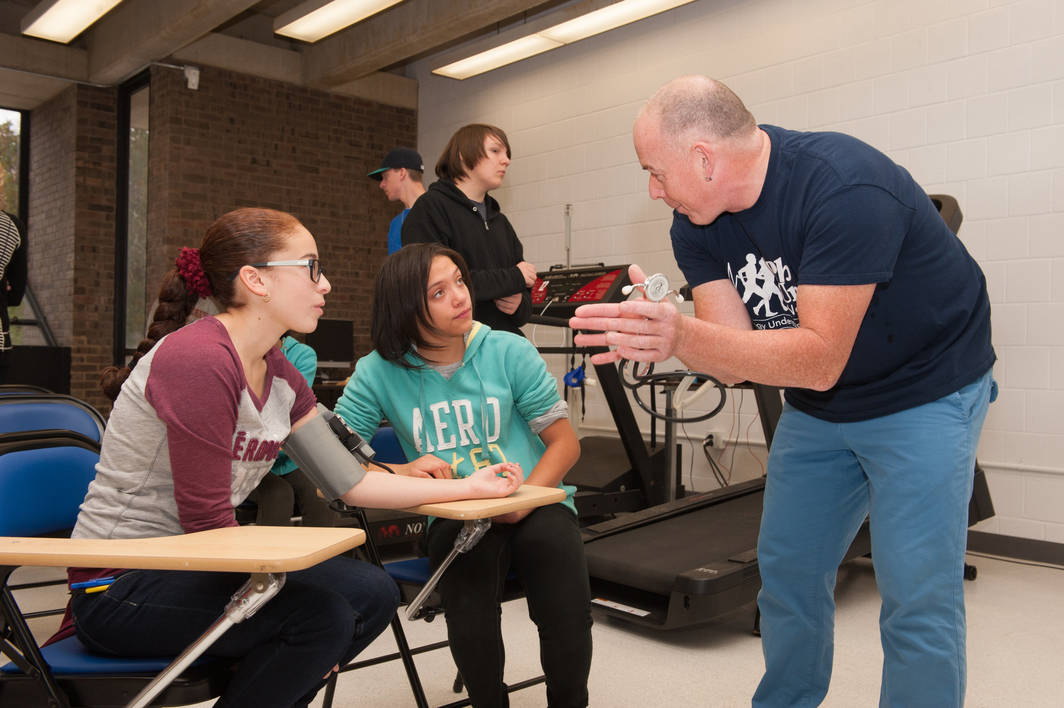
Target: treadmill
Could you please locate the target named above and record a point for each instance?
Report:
(689, 561)
(686, 561)
(614, 474)
(692, 560)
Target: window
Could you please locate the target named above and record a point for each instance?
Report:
(27, 326)
(131, 222)
(137, 219)
(10, 154)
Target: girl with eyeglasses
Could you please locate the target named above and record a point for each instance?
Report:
(199, 418)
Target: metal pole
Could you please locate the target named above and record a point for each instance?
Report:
(467, 538)
(40, 320)
(568, 235)
(670, 446)
(405, 654)
(255, 593)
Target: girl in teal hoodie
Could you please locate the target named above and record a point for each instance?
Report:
(462, 396)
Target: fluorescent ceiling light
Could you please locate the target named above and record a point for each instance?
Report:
(601, 20)
(314, 19)
(62, 20)
(607, 18)
(508, 53)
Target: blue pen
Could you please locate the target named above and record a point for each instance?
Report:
(92, 583)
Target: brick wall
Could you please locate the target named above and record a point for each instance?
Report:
(245, 141)
(51, 211)
(94, 239)
(237, 141)
(71, 221)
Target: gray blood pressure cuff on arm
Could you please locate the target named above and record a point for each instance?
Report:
(323, 458)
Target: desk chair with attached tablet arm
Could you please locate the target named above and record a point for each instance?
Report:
(65, 673)
(476, 515)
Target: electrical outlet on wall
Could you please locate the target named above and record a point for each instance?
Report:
(715, 439)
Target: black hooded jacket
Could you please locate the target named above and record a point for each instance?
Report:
(491, 250)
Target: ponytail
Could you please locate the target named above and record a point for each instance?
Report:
(235, 239)
(181, 290)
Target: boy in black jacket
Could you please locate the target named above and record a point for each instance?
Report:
(458, 212)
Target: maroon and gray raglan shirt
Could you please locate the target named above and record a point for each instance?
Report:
(188, 440)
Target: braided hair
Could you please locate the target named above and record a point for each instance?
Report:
(237, 238)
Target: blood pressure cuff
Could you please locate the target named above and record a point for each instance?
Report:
(323, 458)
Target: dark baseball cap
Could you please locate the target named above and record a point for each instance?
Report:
(399, 157)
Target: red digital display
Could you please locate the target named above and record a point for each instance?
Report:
(596, 289)
(559, 291)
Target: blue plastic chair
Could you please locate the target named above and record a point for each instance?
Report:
(385, 444)
(23, 413)
(43, 479)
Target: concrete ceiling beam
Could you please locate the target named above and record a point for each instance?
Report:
(27, 91)
(382, 87)
(253, 58)
(36, 56)
(138, 32)
(244, 56)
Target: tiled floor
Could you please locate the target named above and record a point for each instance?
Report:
(1015, 648)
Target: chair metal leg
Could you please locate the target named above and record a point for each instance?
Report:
(30, 660)
(510, 688)
(330, 691)
(408, 663)
(471, 533)
(397, 630)
(255, 593)
(405, 653)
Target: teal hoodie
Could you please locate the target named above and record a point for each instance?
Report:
(478, 417)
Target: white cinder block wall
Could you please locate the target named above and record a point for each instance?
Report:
(968, 94)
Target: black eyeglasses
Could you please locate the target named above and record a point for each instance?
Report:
(313, 264)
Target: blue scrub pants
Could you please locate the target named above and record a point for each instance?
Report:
(911, 474)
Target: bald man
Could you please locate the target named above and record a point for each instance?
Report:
(820, 266)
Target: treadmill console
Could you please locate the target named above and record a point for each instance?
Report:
(560, 290)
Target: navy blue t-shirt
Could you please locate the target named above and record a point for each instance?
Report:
(835, 211)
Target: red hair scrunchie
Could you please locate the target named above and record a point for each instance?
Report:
(191, 271)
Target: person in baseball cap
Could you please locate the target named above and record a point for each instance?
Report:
(400, 178)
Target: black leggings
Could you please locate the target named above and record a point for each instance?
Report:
(546, 552)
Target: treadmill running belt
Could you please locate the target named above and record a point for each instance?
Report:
(691, 548)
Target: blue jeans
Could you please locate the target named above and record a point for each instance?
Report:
(323, 615)
(911, 474)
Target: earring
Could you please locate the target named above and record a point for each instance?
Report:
(709, 179)
(266, 297)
